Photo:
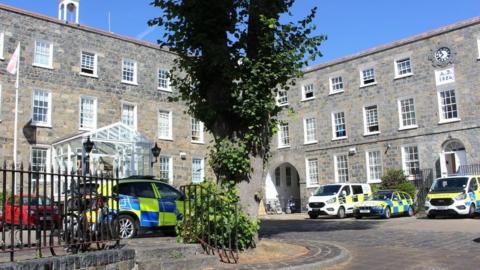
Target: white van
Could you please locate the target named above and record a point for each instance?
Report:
(337, 199)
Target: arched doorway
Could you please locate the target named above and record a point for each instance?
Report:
(281, 186)
(452, 157)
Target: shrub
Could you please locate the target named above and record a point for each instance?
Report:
(396, 179)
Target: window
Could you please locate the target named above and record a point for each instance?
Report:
(341, 169)
(310, 130)
(445, 76)
(336, 85)
(288, 176)
(473, 185)
(165, 171)
(141, 189)
(43, 54)
(129, 115)
(368, 76)
(167, 192)
(277, 177)
(448, 105)
(88, 113)
(88, 64)
(370, 114)
(308, 91)
(129, 71)
(406, 108)
(312, 171)
(165, 125)
(374, 167)
(403, 68)
(2, 37)
(197, 131)
(38, 159)
(163, 83)
(339, 127)
(478, 45)
(411, 161)
(42, 103)
(197, 170)
(282, 98)
(357, 189)
(347, 190)
(283, 136)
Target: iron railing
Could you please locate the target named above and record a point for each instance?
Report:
(56, 211)
(204, 215)
(423, 180)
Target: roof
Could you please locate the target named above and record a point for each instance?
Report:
(398, 43)
(84, 28)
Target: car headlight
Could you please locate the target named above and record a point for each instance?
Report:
(332, 200)
(460, 197)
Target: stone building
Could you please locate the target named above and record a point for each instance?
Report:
(77, 82)
(411, 105)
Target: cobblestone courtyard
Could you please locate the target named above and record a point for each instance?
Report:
(398, 243)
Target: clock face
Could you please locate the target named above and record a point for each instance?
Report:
(443, 54)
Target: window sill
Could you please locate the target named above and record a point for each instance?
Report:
(340, 138)
(307, 99)
(89, 75)
(282, 105)
(403, 76)
(42, 66)
(197, 142)
(371, 133)
(1, 58)
(164, 90)
(86, 129)
(335, 93)
(449, 121)
(367, 85)
(313, 186)
(311, 142)
(283, 147)
(376, 181)
(42, 125)
(130, 83)
(407, 128)
(165, 139)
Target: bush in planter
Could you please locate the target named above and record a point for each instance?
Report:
(396, 179)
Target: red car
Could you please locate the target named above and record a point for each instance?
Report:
(37, 211)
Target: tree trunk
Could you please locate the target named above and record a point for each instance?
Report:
(254, 186)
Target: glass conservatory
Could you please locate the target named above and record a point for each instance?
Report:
(117, 148)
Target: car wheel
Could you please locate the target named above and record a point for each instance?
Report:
(341, 213)
(127, 227)
(471, 211)
(431, 216)
(410, 211)
(386, 213)
(312, 215)
(358, 216)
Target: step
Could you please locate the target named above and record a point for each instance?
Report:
(167, 251)
(195, 262)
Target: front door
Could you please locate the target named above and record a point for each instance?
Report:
(450, 162)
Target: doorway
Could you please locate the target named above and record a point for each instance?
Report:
(452, 158)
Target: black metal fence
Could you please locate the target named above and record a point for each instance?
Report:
(54, 211)
(423, 180)
(212, 220)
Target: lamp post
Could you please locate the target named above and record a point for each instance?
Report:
(87, 148)
(156, 153)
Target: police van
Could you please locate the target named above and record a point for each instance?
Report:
(337, 199)
(453, 195)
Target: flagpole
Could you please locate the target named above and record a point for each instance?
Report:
(17, 83)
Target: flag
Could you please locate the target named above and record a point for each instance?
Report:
(13, 64)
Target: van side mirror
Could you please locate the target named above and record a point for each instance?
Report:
(344, 193)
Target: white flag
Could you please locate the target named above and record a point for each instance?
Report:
(13, 64)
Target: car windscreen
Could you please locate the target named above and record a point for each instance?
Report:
(327, 190)
(382, 196)
(451, 184)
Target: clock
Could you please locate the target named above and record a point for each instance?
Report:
(443, 54)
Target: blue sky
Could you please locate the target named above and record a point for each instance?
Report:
(351, 25)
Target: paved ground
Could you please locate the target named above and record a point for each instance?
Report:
(398, 243)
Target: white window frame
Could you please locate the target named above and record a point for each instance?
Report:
(2, 45)
(201, 130)
(47, 160)
(335, 163)
(440, 106)
(369, 174)
(135, 118)
(334, 126)
(397, 70)
(50, 60)
(202, 169)
(135, 71)
(309, 176)
(362, 77)
(400, 114)
(1, 104)
(305, 130)
(332, 84)
(170, 167)
(49, 109)
(94, 124)
(170, 132)
(280, 136)
(95, 64)
(404, 167)
(168, 88)
(304, 92)
(438, 76)
(285, 97)
(366, 132)
(478, 47)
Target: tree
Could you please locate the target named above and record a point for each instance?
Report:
(396, 179)
(233, 56)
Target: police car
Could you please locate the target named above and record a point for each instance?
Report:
(453, 195)
(385, 203)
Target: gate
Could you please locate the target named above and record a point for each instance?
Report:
(50, 210)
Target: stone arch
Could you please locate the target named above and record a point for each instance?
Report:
(282, 185)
